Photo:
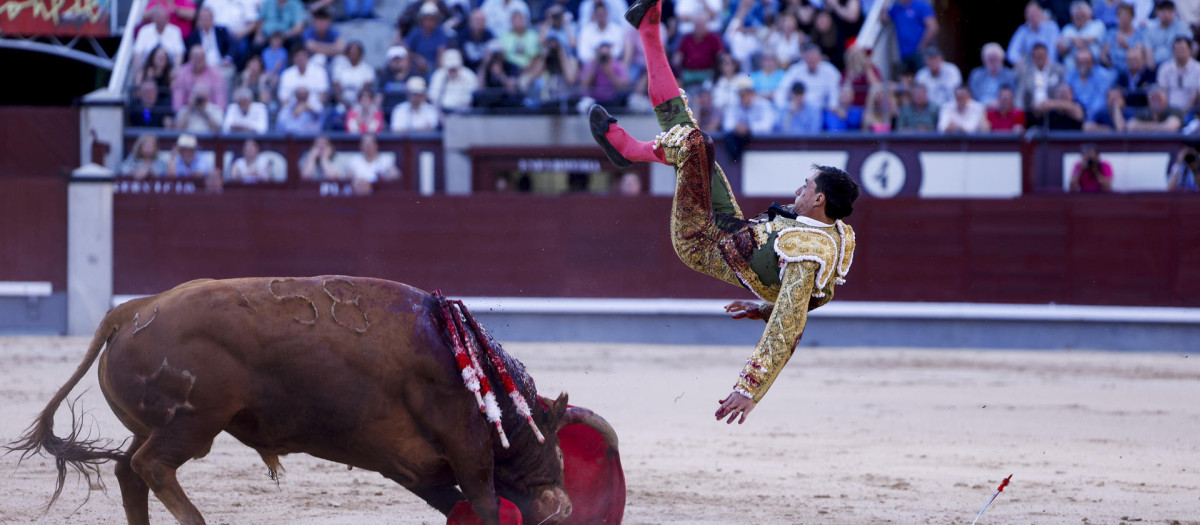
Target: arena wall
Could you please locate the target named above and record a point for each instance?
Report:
(1130, 250)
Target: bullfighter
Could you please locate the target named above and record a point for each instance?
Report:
(789, 256)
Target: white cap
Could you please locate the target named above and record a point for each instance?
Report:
(186, 141)
(396, 52)
(451, 58)
(743, 83)
(415, 85)
(428, 9)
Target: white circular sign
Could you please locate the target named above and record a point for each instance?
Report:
(883, 174)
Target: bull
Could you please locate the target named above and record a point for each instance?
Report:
(353, 370)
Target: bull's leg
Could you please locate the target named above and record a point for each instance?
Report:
(157, 460)
(442, 497)
(135, 493)
(474, 470)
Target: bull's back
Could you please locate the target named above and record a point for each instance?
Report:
(276, 356)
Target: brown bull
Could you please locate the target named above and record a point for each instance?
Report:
(353, 370)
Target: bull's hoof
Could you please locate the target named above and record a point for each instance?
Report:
(599, 120)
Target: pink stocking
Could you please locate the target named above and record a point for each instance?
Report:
(632, 148)
(660, 78)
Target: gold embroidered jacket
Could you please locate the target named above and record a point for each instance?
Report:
(812, 258)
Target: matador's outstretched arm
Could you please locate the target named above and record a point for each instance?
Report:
(784, 326)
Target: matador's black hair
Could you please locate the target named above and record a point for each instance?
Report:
(839, 188)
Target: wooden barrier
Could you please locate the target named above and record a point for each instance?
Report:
(33, 230)
(1054, 249)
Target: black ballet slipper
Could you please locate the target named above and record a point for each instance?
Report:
(637, 11)
(599, 119)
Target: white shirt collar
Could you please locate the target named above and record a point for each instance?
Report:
(812, 222)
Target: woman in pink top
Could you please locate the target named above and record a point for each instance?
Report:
(1090, 174)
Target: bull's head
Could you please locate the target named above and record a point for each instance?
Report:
(535, 475)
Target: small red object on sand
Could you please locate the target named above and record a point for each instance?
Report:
(1003, 484)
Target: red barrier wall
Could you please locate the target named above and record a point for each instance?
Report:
(1063, 249)
(38, 146)
(33, 230)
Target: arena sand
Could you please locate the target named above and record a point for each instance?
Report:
(849, 436)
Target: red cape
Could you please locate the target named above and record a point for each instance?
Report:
(594, 481)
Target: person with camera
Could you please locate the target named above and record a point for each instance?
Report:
(1090, 174)
(1181, 176)
(605, 79)
(199, 116)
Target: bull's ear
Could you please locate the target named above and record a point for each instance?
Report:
(557, 410)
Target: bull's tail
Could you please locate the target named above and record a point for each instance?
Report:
(77, 451)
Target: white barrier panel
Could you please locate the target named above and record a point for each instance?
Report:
(1132, 172)
(25, 289)
(779, 173)
(970, 175)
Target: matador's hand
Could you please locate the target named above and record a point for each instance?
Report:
(744, 310)
(733, 405)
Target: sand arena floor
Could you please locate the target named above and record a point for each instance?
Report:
(850, 436)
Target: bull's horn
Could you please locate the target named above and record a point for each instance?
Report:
(583, 416)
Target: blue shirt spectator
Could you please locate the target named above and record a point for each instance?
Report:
(766, 80)
(1036, 30)
(1089, 82)
(1120, 40)
(1136, 80)
(428, 39)
(851, 121)
(799, 117)
(1106, 12)
(1083, 31)
(1181, 176)
(282, 16)
(275, 56)
(985, 80)
(752, 111)
(298, 117)
(473, 41)
(757, 14)
(1107, 119)
(320, 32)
(915, 23)
(1160, 35)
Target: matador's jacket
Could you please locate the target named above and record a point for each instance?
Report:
(792, 263)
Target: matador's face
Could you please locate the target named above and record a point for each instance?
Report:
(806, 196)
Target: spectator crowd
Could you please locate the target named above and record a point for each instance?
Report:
(751, 68)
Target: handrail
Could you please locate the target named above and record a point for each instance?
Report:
(122, 62)
(872, 26)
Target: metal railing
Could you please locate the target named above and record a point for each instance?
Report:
(122, 63)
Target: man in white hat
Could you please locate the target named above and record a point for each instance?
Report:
(751, 115)
(416, 114)
(452, 85)
(392, 78)
(187, 162)
(427, 40)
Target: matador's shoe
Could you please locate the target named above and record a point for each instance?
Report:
(598, 120)
(637, 11)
